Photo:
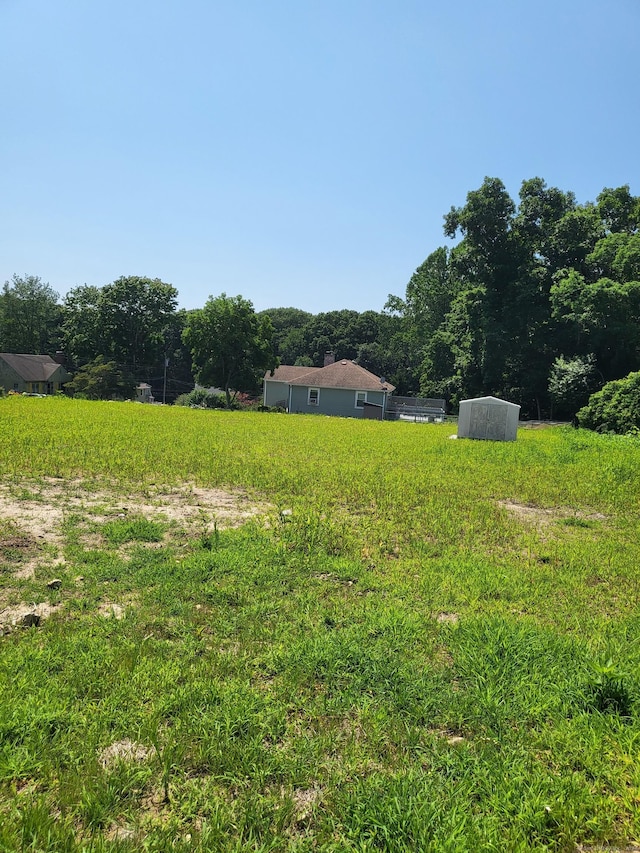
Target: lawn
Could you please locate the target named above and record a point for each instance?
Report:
(260, 632)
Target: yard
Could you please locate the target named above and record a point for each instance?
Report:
(260, 632)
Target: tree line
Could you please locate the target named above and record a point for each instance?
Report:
(538, 302)
(131, 330)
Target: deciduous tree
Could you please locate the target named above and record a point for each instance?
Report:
(230, 345)
(134, 315)
(29, 316)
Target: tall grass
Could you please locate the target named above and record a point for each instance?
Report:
(436, 649)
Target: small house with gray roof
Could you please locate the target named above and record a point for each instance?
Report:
(340, 388)
(31, 374)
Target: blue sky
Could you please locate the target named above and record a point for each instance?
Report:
(298, 153)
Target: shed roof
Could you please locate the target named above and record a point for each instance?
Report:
(31, 368)
(340, 374)
(491, 400)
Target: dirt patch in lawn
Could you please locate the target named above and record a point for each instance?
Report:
(37, 511)
(125, 750)
(541, 516)
(37, 516)
(24, 616)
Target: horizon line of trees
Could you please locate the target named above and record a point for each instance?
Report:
(538, 302)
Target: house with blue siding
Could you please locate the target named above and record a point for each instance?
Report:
(340, 388)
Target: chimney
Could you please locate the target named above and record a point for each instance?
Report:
(60, 357)
(329, 358)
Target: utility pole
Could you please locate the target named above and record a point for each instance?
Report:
(164, 381)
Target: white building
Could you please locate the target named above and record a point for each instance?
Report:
(488, 418)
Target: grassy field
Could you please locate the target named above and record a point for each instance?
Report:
(286, 633)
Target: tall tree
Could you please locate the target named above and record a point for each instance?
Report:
(176, 377)
(29, 316)
(619, 210)
(489, 256)
(601, 317)
(429, 294)
(231, 346)
(134, 315)
(131, 321)
(82, 330)
(419, 317)
(289, 339)
(523, 287)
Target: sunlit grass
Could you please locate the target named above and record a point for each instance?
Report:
(437, 648)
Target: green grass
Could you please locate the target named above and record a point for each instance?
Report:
(437, 649)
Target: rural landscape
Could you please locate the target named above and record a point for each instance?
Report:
(319, 427)
(538, 302)
(249, 631)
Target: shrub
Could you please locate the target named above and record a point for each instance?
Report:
(571, 383)
(100, 380)
(615, 408)
(200, 398)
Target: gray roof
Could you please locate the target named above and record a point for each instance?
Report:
(31, 368)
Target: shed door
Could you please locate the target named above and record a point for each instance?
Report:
(497, 423)
(488, 421)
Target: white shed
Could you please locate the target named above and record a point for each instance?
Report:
(488, 417)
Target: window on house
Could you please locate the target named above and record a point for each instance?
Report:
(15, 386)
(361, 399)
(313, 397)
(35, 387)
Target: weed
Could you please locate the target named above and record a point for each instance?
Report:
(132, 530)
(608, 690)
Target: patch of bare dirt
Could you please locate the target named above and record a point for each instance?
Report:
(38, 512)
(304, 800)
(16, 549)
(121, 833)
(25, 616)
(540, 516)
(452, 737)
(124, 750)
(27, 571)
(111, 610)
(447, 618)
(118, 609)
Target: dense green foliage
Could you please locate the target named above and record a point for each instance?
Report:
(100, 380)
(378, 661)
(200, 398)
(125, 321)
(571, 383)
(615, 408)
(231, 346)
(538, 302)
(29, 316)
(526, 286)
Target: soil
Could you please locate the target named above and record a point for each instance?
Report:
(33, 513)
(39, 509)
